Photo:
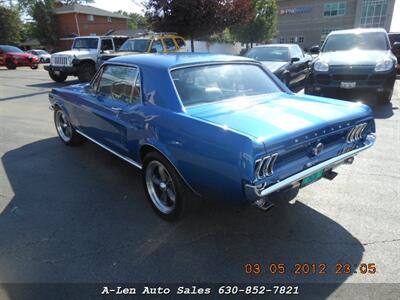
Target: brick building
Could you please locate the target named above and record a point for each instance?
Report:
(80, 20)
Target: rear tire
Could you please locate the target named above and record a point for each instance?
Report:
(164, 188)
(65, 130)
(86, 72)
(58, 78)
(34, 67)
(10, 64)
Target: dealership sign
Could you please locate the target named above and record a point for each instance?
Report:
(295, 10)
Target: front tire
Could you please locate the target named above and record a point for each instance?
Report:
(34, 67)
(86, 72)
(384, 98)
(164, 187)
(58, 78)
(65, 130)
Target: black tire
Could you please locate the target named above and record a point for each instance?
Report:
(58, 78)
(34, 67)
(10, 64)
(179, 206)
(384, 98)
(67, 135)
(86, 72)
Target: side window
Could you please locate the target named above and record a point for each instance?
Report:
(106, 45)
(296, 52)
(157, 46)
(120, 83)
(181, 43)
(169, 44)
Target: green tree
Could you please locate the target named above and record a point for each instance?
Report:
(262, 27)
(136, 21)
(10, 25)
(197, 18)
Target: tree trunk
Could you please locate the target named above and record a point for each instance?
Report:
(192, 43)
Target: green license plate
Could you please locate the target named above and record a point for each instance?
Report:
(312, 178)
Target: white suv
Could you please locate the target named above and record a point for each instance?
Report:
(82, 58)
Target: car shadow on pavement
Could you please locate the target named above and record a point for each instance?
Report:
(80, 215)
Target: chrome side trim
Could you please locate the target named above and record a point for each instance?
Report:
(253, 193)
(128, 160)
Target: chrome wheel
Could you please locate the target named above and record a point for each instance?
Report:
(160, 187)
(63, 126)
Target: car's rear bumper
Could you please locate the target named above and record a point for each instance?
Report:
(252, 192)
(68, 70)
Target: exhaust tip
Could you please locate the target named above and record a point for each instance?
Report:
(263, 204)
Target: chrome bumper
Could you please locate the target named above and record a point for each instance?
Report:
(253, 193)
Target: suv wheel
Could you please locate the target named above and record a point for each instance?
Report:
(58, 78)
(86, 72)
(385, 97)
(165, 190)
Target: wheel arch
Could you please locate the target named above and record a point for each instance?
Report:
(147, 148)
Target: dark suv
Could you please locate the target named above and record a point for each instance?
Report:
(355, 62)
(394, 38)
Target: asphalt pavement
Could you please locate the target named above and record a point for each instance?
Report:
(74, 215)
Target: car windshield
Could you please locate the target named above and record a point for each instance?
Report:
(212, 83)
(137, 45)
(362, 41)
(269, 53)
(41, 52)
(85, 43)
(9, 49)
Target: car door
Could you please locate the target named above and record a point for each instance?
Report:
(112, 94)
(299, 68)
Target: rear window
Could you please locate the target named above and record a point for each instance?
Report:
(9, 49)
(213, 83)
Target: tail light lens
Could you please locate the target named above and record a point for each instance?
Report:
(265, 166)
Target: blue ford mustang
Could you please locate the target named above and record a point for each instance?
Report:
(215, 125)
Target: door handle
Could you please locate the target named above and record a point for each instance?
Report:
(116, 109)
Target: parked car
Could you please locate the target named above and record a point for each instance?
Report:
(357, 60)
(287, 61)
(394, 38)
(219, 126)
(43, 55)
(148, 43)
(81, 60)
(13, 57)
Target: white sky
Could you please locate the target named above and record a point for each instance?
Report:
(114, 5)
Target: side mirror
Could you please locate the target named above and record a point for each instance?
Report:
(294, 59)
(314, 50)
(396, 48)
(153, 50)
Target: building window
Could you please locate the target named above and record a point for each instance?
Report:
(109, 19)
(291, 40)
(325, 32)
(335, 9)
(90, 18)
(281, 40)
(301, 39)
(373, 13)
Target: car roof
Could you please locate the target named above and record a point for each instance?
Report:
(172, 60)
(275, 45)
(357, 31)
